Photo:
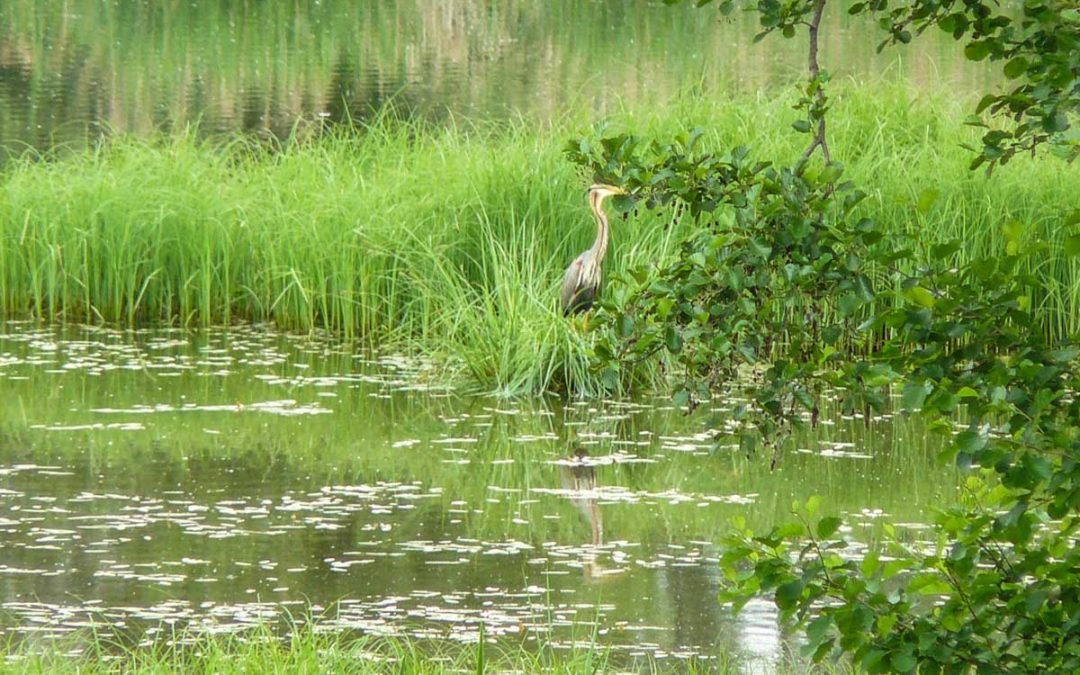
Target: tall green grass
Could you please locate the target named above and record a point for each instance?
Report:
(308, 650)
(452, 239)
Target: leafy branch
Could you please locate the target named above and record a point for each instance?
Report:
(783, 289)
(1038, 45)
(816, 82)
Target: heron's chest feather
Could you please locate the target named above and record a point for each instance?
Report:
(590, 269)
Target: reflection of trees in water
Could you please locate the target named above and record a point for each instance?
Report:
(356, 94)
(241, 64)
(687, 595)
(16, 86)
(42, 104)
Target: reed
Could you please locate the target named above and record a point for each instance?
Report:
(451, 239)
(304, 648)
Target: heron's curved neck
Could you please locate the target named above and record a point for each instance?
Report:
(599, 247)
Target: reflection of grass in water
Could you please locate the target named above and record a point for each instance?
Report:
(451, 241)
(258, 456)
(366, 439)
(273, 456)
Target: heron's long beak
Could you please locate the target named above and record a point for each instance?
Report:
(609, 189)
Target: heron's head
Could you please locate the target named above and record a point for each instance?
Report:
(601, 190)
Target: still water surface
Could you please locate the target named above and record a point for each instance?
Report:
(158, 478)
(154, 479)
(72, 69)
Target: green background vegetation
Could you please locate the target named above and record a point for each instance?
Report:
(451, 239)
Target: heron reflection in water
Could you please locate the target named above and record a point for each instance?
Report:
(578, 477)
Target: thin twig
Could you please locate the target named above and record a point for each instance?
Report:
(819, 94)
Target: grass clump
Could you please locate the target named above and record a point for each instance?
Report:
(452, 239)
(307, 650)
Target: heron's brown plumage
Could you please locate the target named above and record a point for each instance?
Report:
(581, 282)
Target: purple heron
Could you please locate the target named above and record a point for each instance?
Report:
(581, 282)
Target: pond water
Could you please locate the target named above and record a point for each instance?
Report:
(70, 69)
(157, 478)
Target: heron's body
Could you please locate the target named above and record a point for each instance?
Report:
(581, 282)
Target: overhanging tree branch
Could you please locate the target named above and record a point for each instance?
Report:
(817, 108)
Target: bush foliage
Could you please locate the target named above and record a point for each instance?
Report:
(787, 290)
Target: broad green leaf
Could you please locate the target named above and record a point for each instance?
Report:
(984, 103)
(1035, 600)
(952, 622)
(944, 251)
(673, 339)
(920, 296)
(610, 378)
(950, 22)
(969, 442)
(885, 623)
(977, 50)
(903, 662)
(831, 172)
(1013, 232)
(1016, 67)
(818, 629)
(1064, 355)
(788, 594)
(863, 287)
(872, 660)
(663, 307)
(828, 526)
(928, 583)
(1056, 122)
(914, 395)
(848, 304)
(869, 564)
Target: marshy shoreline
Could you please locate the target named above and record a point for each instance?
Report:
(449, 240)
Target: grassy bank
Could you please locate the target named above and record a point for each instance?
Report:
(452, 240)
(308, 651)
